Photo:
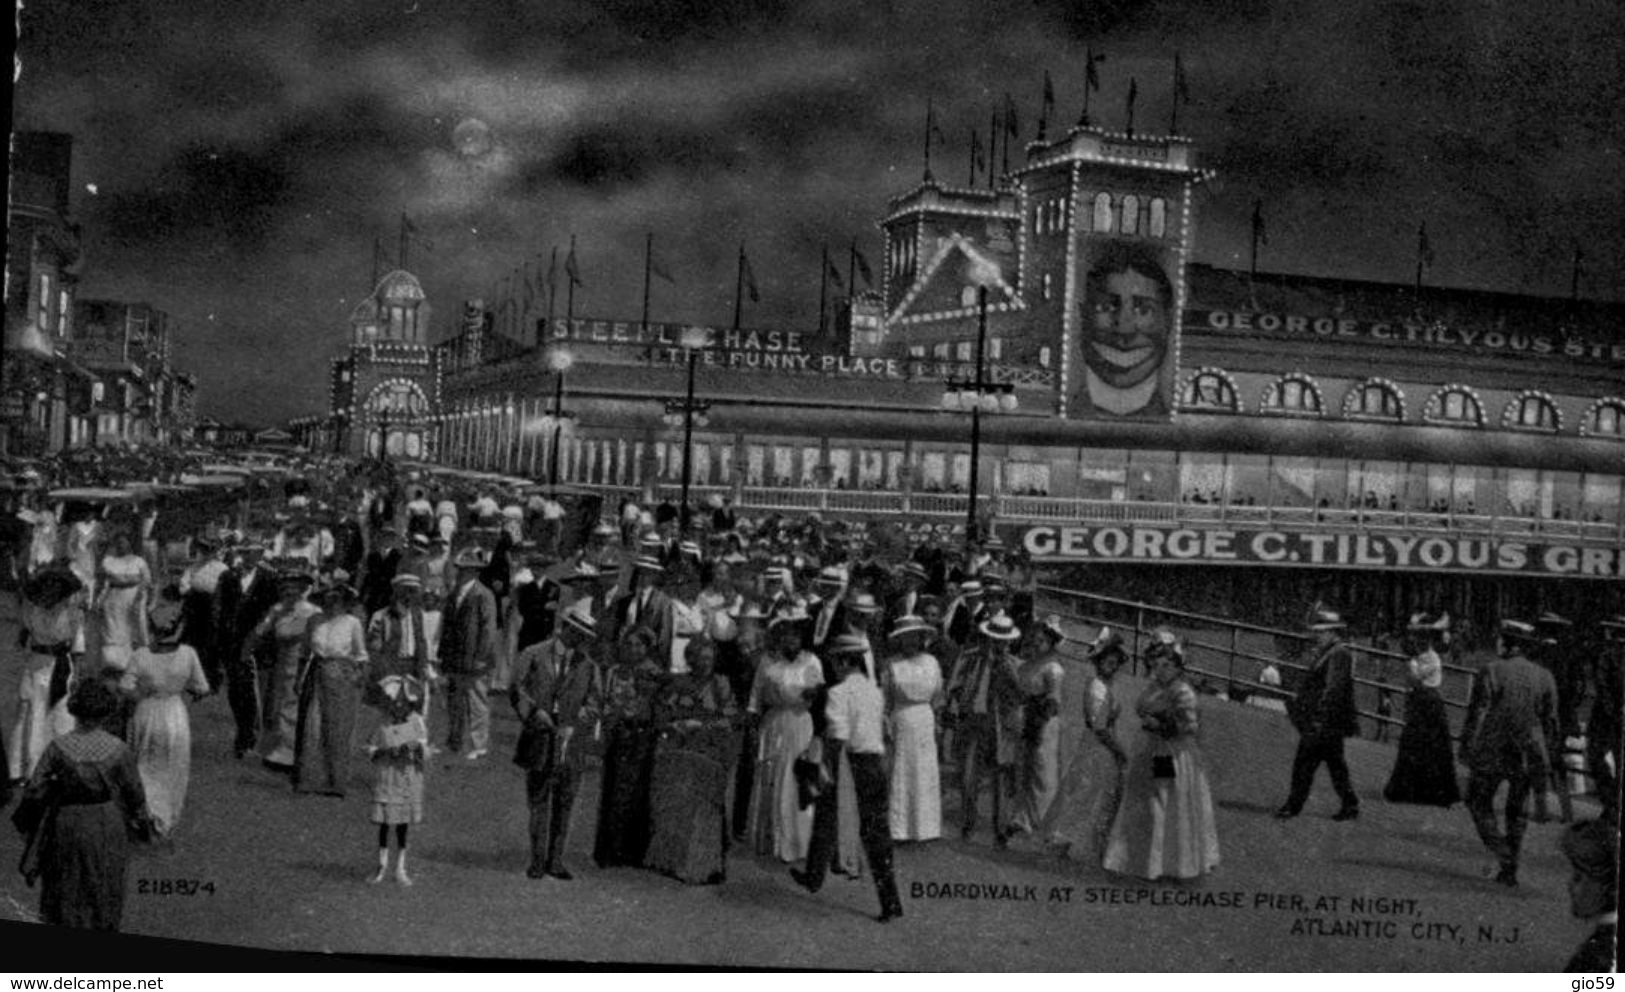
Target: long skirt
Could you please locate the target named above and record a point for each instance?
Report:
(779, 825)
(123, 617)
(161, 736)
(688, 803)
(1165, 826)
(328, 699)
(1039, 774)
(849, 857)
(1086, 803)
(279, 705)
(37, 721)
(915, 809)
(1424, 769)
(82, 866)
(622, 837)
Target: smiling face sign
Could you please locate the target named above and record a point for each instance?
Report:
(1122, 363)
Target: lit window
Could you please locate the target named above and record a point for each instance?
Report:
(1455, 405)
(1374, 399)
(995, 348)
(1209, 389)
(967, 296)
(1103, 213)
(1038, 218)
(943, 350)
(1532, 411)
(1043, 357)
(1607, 419)
(1131, 214)
(1048, 285)
(963, 351)
(1294, 395)
(916, 351)
(45, 300)
(1159, 217)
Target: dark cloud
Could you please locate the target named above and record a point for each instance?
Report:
(202, 193)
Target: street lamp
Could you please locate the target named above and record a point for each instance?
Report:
(978, 395)
(559, 360)
(686, 413)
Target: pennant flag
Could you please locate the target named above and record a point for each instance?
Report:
(834, 274)
(1049, 93)
(1258, 223)
(571, 270)
(410, 230)
(750, 277)
(1182, 90)
(978, 158)
(1133, 94)
(1424, 247)
(658, 269)
(552, 270)
(863, 268)
(1091, 75)
(1011, 127)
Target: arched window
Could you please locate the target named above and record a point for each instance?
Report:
(1048, 285)
(1131, 214)
(1209, 389)
(1532, 410)
(1606, 418)
(1454, 404)
(1159, 217)
(1294, 395)
(1103, 213)
(1374, 399)
(1038, 218)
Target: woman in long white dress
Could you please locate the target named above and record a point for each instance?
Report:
(122, 587)
(53, 620)
(781, 695)
(913, 692)
(164, 678)
(1092, 780)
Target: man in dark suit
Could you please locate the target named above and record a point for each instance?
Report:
(247, 590)
(1508, 736)
(535, 600)
(1323, 711)
(646, 606)
(467, 654)
(555, 692)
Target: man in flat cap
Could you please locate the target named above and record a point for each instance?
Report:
(1324, 714)
(1510, 727)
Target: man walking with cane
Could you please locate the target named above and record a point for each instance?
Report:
(1323, 711)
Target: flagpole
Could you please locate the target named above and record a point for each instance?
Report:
(1574, 277)
(1173, 114)
(852, 270)
(552, 286)
(992, 145)
(975, 146)
(648, 261)
(927, 141)
(1133, 92)
(1421, 246)
(739, 285)
(823, 276)
(1088, 77)
(377, 250)
(1006, 129)
(570, 289)
(402, 255)
(1258, 216)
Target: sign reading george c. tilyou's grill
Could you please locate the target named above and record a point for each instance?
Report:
(1241, 546)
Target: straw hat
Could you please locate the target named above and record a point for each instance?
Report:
(471, 558)
(1518, 630)
(831, 576)
(649, 563)
(862, 602)
(848, 644)
(584, 571)
(999, 627)
(581, 622)
(913, 569)
(406, 580)
(1051, 625)
(910, 624)
(1324, 619)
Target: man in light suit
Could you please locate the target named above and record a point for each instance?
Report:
(1508, 736)
(467, 654)
(555, 692)
(1323, 711)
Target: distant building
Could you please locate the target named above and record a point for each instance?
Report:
(385, 389)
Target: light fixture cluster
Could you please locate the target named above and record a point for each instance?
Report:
(1512, 415)
(1617, 404)
(1269, 400)
(1356, 396)
(1186, 384)
(678, 412)
(1433, 412)
(963, 396)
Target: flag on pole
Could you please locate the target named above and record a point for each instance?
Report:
(1091, 75)
(571, 270)
(657, 267)
(411, 231)
(750, 277)
(1259, 234)
(863, 269)
(1133, 94)
(833, 273)
(1424, 247)
(1011, 125)
(1182, 90)
(553, 270)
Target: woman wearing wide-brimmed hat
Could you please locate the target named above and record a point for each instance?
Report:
(123, 583)
(913, 686)
(1425, 765)
(1080, 818)
(329, 692)
(786, 681)
(82, 806)
(279, 639)
(1165, 826)
(164, 677)
(53, 622)
(1039, 680)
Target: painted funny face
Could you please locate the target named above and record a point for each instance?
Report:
(1125, 334)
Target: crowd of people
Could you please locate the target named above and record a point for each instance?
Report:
(798, 690)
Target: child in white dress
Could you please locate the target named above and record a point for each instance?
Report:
(397, 748)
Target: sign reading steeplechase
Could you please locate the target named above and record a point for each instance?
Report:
(1150, 543)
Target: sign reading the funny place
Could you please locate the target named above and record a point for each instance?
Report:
(1135, 543)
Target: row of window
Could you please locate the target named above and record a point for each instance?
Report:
(1129, 214)
(1297, 394)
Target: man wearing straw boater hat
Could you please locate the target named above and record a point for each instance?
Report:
(555, 692)
(984, 701)
(467, 654)
(646, 605)
(1508, 736)
(1324, 714)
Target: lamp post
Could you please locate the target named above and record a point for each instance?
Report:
(559, 360)
(685, 413)
(979, 394)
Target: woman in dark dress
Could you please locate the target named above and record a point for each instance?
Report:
(79, 812)
(1424, 770)
(629, 738)
(694, 754)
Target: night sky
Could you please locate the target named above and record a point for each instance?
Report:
(244, 154)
